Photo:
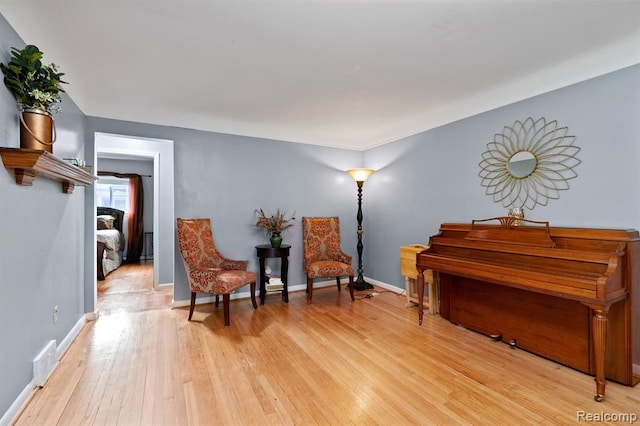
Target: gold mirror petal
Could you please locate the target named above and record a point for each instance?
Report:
(529, 163)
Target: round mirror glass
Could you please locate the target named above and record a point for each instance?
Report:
(522, 164)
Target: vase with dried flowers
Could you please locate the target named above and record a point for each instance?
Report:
(275, 224)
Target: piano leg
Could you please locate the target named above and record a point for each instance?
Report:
(599, 335)
(420, 286)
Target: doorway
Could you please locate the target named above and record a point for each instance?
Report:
(160, 153)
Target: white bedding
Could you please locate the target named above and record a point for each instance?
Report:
(109, 264)
(114, 245)
(112, 238)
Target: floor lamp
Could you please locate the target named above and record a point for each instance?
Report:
(360, 175)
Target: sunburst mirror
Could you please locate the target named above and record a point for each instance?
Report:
(529, 163)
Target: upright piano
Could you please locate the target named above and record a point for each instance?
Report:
(567, 294)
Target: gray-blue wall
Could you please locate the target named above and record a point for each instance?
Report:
(226, 177)
(422, 181)
(41, 246)
(431, 178)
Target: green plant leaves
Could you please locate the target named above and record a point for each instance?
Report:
(33, 84)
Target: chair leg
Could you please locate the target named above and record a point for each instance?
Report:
(338, 282)
(193, 304)
(225, 304)
(252, 287)
(309, 290)
(351, 287)
(217, 299)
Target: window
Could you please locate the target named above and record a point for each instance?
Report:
(113, 192)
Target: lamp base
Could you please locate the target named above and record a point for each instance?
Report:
(360, 284)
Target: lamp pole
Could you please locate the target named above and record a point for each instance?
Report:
(360, 175)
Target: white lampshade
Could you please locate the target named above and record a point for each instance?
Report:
(360, 175)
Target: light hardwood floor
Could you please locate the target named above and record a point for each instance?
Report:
(130, 289)
(333, 362)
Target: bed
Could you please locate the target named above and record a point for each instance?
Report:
(110, 240)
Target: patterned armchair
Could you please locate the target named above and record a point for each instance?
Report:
(323, 256)
(207, 270)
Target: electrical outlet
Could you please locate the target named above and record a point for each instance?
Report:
(55, 314)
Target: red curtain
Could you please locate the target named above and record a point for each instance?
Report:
(135, 221)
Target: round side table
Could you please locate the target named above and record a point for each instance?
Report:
(265, 251)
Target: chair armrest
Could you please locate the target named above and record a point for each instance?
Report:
(237, 265)
(202, 275)
(224, 263)
(342, 257)
(345, 258)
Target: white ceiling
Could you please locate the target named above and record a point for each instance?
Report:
(347, 73)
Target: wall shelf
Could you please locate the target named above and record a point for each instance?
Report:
(27, 164)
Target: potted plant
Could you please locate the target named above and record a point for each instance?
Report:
(274, 224)
(36, 88)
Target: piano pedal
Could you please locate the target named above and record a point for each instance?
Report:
(496, 337)
(513, 343)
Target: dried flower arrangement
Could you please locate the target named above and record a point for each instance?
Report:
(275, 223)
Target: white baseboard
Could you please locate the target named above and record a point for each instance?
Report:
(297, 287)
(92, 316)
(386, 286)
(18, 405)
(209, 299)
(162, 286)
(70, 337)
(25, 396)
